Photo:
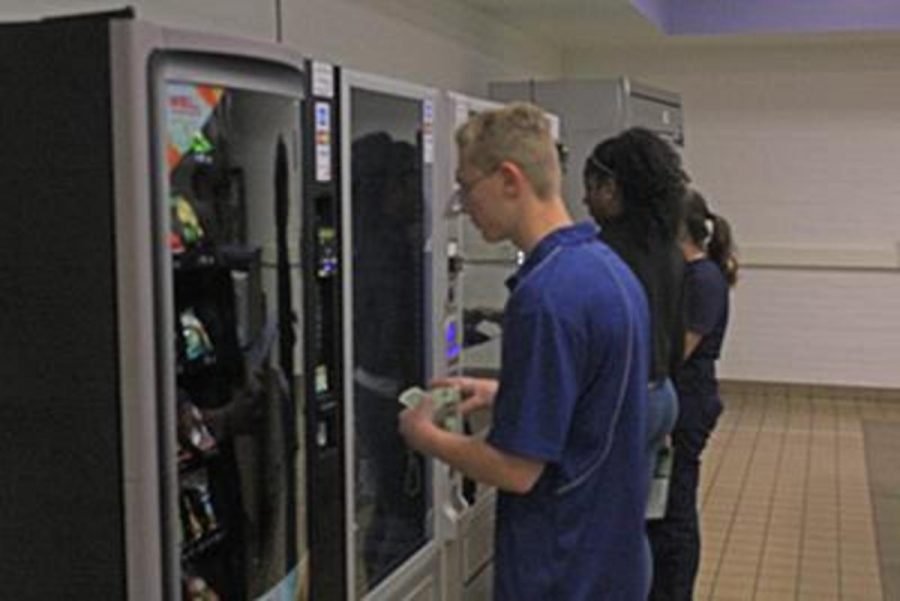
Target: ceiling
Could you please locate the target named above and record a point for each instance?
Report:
(716, 17)
(574, 24)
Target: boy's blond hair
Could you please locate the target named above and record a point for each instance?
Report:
(519, 133)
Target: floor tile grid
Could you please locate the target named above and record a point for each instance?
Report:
(729, 577)
(882, 448)
(801, 516)
(859, 571)
(788, 529)
(713, 529)
(819, 576)
(776, 563)
(740, 566)
(778, 559)
(717, 446)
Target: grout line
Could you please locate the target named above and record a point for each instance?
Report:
(802, 535)
(876, 531)
(800, 464)
(836, 443)
(786, 420)
(736, 408)
(734, 511)
(724, 450)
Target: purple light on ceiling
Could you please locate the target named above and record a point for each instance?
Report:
(710, 17)
(655, 10)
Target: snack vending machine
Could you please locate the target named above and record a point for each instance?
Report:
(153, 313)
(390, 328)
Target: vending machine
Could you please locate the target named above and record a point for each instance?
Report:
(392, 320)
(593, 110)
(472, 276)
(153, 314)
(473, 273)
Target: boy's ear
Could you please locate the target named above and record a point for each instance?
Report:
(513, 178)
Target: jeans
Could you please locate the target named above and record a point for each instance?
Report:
(675, 539)
(662, 412)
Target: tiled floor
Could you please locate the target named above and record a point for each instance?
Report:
(785, 503)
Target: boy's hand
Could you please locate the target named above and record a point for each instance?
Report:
(417, 424)
(476, 393)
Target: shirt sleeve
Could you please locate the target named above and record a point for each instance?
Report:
(538, 385)
(704, 301)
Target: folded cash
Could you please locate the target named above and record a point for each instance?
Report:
(446, 401)
(442, 397)
(411, 397)
(445, 396)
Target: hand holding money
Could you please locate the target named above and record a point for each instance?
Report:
(445, 405)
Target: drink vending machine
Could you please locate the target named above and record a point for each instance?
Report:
(378, 530)
(475, 272)
(473, 276)
(387, 134)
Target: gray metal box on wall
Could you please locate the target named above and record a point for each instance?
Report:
(592, 110)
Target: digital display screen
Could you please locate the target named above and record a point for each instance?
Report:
(451, 339)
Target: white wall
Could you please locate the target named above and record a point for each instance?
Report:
(247, 18)
(439, 43)
(797, 145)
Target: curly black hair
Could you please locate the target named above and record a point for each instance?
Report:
(648, 172)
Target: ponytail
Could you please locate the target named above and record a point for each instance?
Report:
(720, 248)
(711, 232)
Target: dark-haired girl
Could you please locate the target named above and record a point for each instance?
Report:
(711, 270)
(634, 185)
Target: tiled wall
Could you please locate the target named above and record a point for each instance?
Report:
(794, 140)
(837, 327)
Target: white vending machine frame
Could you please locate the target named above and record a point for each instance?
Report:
(467, 509)
(419, 578)
(147, 366)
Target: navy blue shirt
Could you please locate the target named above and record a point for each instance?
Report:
(706, 313)
(573, 392)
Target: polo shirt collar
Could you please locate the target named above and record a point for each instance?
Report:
(570, 235)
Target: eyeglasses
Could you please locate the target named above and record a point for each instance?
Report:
(459, 197)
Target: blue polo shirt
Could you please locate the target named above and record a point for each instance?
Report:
(573, 391)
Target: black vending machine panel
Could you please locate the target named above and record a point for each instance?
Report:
(60, 438)
(324, 354)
